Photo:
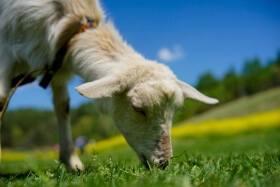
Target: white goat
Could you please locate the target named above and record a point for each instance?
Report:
(141, 95)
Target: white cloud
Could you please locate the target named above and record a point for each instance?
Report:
(170, 55)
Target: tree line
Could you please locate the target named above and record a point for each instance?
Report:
(255, 76)
(27, 128)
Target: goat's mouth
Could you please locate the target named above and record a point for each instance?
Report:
(162, 164)
(144, 161)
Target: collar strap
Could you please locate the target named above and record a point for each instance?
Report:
(91, 24)
(57, 63)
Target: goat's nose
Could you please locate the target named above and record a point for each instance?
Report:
(163, 164)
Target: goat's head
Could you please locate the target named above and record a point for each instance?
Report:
(142, 101)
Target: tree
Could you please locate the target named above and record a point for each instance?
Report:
(251, 72)
(231, 85)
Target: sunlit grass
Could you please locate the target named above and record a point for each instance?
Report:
(8, 156)
(208, 161)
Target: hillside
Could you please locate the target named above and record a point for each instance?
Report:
(261, 102)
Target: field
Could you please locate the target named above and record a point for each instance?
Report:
(241, 151)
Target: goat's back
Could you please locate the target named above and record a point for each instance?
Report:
(30, 29)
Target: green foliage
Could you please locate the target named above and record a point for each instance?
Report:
(87, 121)
(26, 128)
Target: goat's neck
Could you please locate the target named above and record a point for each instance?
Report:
(100, 53)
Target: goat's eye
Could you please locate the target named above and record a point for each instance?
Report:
(140, 111)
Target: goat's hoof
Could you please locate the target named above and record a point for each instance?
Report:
(75, 163)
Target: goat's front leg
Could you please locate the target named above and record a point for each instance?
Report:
(61, 105)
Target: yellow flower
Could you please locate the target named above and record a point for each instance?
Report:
(229, 126)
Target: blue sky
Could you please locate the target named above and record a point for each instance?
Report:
(190, 36)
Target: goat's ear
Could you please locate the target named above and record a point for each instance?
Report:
(192, 93)
(102, 88)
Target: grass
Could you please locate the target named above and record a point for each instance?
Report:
(248, 159)
(228, 151)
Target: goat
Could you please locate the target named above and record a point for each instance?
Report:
(141, 95)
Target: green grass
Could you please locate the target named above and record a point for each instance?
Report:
(261, 102)
(248, 159)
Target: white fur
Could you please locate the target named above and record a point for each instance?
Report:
(141, 95)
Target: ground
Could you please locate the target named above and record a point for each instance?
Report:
(247, 159)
